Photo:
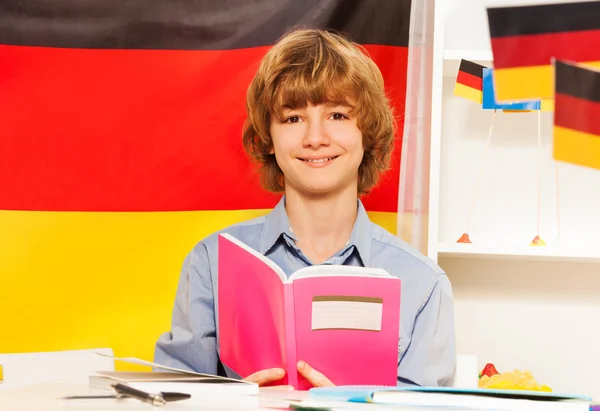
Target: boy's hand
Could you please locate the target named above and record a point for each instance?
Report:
(313, 376)
(267, 376)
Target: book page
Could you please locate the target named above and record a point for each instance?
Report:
(346, 313)
(152, 376)
(133, 360)
(330, 270)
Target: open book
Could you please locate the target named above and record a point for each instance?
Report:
(342, 320)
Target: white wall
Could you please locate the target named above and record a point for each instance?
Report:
(543, 316)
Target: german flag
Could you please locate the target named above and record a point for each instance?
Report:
(526, 38)
(469, 81)
(120, 149)
(577, 115)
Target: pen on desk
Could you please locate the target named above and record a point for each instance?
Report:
(125, 391)
(154, 399)
(90, 397)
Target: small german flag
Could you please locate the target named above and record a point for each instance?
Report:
(577, 115)
(469, 81)
(526, 38)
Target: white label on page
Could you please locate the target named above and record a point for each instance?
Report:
(346, 313)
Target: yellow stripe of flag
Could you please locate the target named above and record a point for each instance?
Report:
(576, 147)
(547, 104)
(527, 83)
(84, 280)
(468, 92)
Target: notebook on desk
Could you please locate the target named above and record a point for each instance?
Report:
(476, 398)
(170, 380)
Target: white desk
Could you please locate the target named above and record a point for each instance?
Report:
(47, 397)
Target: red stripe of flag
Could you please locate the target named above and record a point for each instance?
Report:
(577, 114)
(141, 130)
(538, 49)
(469, 80)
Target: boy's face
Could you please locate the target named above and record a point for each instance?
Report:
(318, 148)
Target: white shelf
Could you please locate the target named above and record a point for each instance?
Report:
(473, 55)
(452, 59)
(521, 252)
(517, 189)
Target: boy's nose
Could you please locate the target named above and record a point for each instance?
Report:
(316, 135)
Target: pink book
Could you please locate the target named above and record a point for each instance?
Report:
(342, 320)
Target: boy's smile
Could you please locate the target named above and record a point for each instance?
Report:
(318, 161)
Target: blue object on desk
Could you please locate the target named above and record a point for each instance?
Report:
(364, 393)
(346, 392)
(489, 96)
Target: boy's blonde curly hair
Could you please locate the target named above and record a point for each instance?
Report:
(317, 66)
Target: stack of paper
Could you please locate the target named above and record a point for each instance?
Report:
(171, 380)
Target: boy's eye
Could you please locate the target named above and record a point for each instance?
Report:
(338, 116)
(292, 119)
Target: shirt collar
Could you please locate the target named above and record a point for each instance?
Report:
(362, 235)
(278, 224)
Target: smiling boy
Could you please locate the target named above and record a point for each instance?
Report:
(321, 128)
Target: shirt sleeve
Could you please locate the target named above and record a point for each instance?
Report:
(191, 342)
(430, 358)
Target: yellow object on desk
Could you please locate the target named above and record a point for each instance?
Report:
(512, 380)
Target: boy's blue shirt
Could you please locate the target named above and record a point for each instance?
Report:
(426, 352)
